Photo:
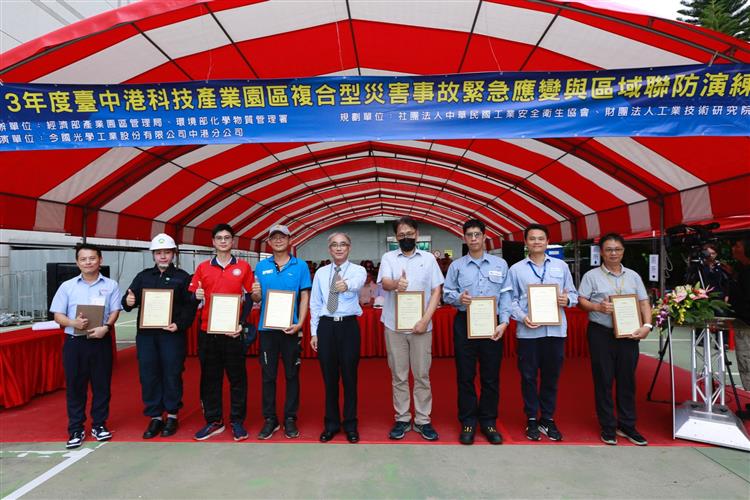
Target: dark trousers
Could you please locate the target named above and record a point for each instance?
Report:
(87, 361)
(272, 344)
(219, 354)
(540, 362)
(161, 361)
(338, 352)
(613, 360)
(468, 352)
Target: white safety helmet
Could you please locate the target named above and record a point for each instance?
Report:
(162, 242)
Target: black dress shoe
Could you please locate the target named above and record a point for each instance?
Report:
(352, 436)
(467, 434)
(492, 435)
(326, 436)
(154, 427)
(170, 427)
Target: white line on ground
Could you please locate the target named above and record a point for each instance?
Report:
(71, 458)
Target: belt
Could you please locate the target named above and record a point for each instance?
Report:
(337, 318)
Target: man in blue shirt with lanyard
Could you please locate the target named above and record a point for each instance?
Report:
(334, 307)
(281, 271)
(87, 359)
(541, 349)
(477, 274)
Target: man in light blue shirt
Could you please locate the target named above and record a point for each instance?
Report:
(541, 349)
(334, 307)
(87, 359)
(410, 269)
(477, 274)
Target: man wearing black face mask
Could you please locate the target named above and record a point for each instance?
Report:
(410, 269)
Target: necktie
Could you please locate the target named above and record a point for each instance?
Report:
(333, 295)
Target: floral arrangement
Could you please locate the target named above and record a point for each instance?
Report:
(688, 304)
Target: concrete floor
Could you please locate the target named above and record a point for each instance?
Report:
(258, 470)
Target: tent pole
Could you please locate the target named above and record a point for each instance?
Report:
(577, 265)
(85, 224)
(576, 253)
(662, 249)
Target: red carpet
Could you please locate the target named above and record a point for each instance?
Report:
(44, 418)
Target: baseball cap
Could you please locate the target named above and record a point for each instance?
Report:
(278, 228)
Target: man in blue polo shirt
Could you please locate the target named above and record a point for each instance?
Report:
(87, 359)
(541, 348)
(281, 271)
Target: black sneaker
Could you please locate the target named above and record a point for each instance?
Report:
(101, 433)
(238, 431)
(632, 435)
(399, 430)
(532, 430)
(492, 435)
(549, 429)
(467, 434)
(608, 437)
(76, 439)
(426, 431)
(210, 429)
(270, 426)
(290, 428)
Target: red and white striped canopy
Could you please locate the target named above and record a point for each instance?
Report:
(579, 187)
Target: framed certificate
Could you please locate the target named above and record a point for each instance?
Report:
(481, 317)
(543, 307)
(409, 310)
(156, 308)
(626, 317)
(224, 313)
(278, 312)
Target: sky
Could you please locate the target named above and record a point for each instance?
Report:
(662, 8)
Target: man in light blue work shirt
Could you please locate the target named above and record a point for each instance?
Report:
(477, 274)
(541, 349)
(410, 269)
(87, 359)
(334, 307)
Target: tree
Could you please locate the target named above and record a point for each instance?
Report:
(727, 16)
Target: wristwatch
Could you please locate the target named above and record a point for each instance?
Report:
(649, 326)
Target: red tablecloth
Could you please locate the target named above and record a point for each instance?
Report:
(31, 364)
(373, 340)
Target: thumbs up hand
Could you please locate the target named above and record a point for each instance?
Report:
(465, 298)
(199, 293)
(403, 283)
(256, 291)
(130, 298)
(80, 322)
(340, 286)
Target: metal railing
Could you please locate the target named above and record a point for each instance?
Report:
(23, 297)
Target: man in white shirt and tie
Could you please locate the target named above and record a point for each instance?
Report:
(334, 307)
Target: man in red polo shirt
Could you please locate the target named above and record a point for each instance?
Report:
(218, 353)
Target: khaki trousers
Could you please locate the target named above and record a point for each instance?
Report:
(415, 351)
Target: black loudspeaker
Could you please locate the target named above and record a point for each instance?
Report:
(57, 273)
(513, 252)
